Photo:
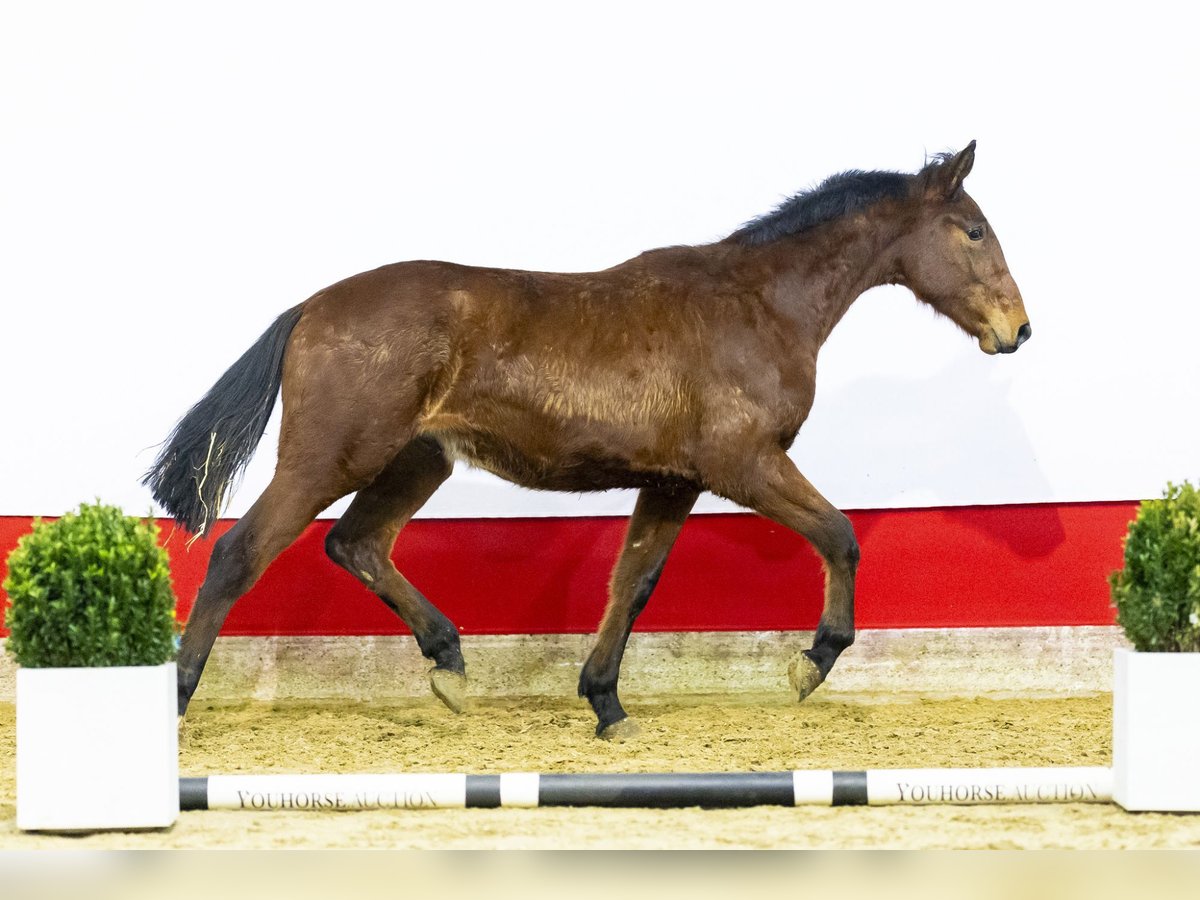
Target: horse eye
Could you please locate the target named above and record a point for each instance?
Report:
(976, 233)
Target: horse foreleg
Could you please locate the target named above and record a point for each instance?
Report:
(656, 522)
(361, 543)
(779, 492)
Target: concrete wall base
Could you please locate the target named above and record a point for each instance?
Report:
(883, 665)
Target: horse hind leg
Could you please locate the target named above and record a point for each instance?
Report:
(653, 528)
(290, 502)
(361, 543)
(321, 459)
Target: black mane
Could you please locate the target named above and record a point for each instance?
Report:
(836, 196)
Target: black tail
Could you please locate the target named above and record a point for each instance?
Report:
(212, 444)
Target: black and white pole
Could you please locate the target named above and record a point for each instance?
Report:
(873, 787)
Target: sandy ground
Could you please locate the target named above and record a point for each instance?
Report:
(697, 734)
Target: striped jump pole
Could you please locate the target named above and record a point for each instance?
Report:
(874, 787)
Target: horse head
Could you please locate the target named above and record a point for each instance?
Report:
(951, 259)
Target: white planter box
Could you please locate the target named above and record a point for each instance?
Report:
(1156, 731)
(97, 748)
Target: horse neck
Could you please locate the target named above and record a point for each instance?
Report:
(814, 277)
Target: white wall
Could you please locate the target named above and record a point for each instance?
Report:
(174, 175)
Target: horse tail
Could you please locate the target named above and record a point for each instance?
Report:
(212, 444)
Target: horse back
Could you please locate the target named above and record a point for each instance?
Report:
(619, 378)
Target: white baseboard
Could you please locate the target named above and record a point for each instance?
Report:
(883, 664)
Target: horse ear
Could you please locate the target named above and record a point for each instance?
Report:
(956, 170)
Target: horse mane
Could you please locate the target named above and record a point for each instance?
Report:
(837, 196)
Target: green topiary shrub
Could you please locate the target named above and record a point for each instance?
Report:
(1157, 594)
(90, 589)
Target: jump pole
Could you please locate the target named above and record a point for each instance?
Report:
(823, 787)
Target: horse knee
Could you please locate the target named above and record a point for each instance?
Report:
(839, 546)
(846, 549)
(851, 552)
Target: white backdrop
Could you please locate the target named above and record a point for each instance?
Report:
(175, 175)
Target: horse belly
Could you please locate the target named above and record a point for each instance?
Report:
(549, 422)
(554, 459)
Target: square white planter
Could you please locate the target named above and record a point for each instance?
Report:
(97, 748)
(1156, 731)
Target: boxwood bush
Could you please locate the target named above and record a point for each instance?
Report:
(1157, 594)
(90, 589)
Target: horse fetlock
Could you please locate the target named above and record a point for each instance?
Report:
(185, 686)
(804, 675)
(593, 683)
(450, 687)
(450, 659)
(442, 644)
(832, 641)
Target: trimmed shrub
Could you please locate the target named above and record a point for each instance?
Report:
(92, 588)
(1157, 594)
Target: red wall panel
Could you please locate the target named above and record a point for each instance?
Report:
(1040, 564)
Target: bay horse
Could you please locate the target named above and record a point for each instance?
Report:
(682, 370)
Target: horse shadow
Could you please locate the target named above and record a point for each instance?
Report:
(917, 444)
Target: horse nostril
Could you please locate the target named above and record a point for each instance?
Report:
(1024, 333)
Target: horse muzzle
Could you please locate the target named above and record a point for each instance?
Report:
(1024, 333)
(991, 342)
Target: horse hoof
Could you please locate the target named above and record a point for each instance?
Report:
(450, 688)
(620, 731)
(804, 676)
